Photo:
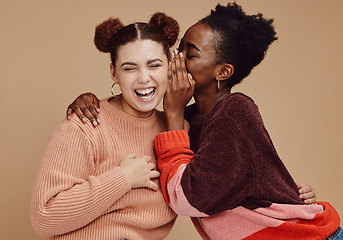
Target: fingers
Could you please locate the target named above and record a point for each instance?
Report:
(91, 113)
(69, 112)
(86, 106)
(177, 73)
(152, 185)
(307, 193)
(304, 188)
(96, 103)
(170, 70)
(191, 81)
(308, 200)
(308, 197)
(181, 70)
(154, 174)
(79, 112)
(147, 158)
(84, 112)
(173, 73)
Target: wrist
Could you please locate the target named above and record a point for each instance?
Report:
(175, 123)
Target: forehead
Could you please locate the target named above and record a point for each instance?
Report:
(200, 35)
(140, 50)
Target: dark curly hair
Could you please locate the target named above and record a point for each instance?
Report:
(111, 34)
(240, 39)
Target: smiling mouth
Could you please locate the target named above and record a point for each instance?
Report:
(145, 94)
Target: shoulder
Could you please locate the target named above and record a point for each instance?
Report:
(75, 126)
(105, 105)
(239, 109)
(236, 105)
(238, 101)
(110, 112)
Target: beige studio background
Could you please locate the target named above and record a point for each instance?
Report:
(48, 58)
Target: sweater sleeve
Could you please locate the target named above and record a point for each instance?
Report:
(174, 154)
(217, 178)
(172, 149)
(67, 194)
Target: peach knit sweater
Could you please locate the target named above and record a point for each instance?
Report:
(81, 193)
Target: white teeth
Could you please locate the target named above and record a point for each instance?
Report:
(145, 94)
(145, 91)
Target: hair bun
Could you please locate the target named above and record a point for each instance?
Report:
(168, 26)
(104, 32)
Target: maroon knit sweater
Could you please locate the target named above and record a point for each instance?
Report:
(244, 169)
(231, 181)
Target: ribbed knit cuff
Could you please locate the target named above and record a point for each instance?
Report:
(172, 139)
(114, 183)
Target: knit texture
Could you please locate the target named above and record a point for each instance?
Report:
(234, 185)
(81, 193)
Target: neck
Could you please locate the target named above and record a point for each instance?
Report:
(205, 100)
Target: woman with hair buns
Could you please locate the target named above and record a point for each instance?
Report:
(225, 172)
(102, 183)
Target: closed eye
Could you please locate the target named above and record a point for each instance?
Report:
(155, 65)
(129, 69)
(189, 56)
(129, 66)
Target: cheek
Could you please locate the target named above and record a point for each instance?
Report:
(162, 84)
(124, 80)
(161, 78)
(191, 67)
(195, 69)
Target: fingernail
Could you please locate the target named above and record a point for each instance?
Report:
(84, 120)
(190, 75)
(98, 120)
(95, 123)
(173, 55)
(181, 55)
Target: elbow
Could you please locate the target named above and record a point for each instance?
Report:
(45, 224)
(40, 227)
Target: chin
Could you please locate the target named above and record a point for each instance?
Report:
(147, 108)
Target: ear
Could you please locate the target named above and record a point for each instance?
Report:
(113, 74)
(225, 72)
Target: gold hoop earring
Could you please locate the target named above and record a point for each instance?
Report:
(218, 85)
(115, 96)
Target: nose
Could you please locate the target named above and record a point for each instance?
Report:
(144, 76)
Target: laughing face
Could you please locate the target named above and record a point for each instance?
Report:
(141, 72)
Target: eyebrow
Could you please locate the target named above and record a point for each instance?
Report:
(188, 44)
(154, 60)
(128, 63)
(134, 64)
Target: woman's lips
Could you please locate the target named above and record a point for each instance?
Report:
(145, 94)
